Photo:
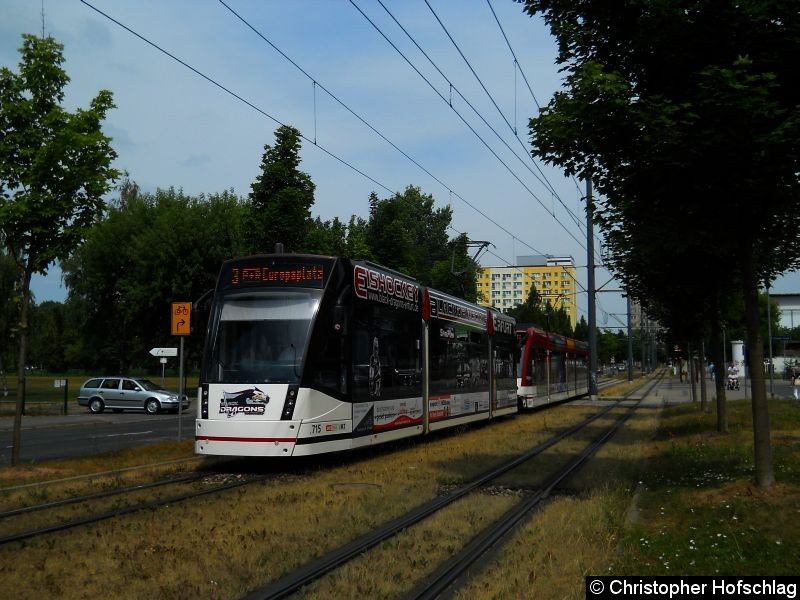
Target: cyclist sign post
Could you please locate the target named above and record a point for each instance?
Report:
(181, 325)
(181, 318)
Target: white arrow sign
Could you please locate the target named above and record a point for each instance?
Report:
(164, 352)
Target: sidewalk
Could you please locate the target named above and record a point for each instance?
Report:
(672, 391)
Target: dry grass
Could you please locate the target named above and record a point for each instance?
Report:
(574, 534)
(414, 554)
(76, 467)
(226, 544)
(696, 489)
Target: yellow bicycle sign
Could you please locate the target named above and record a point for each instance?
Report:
(181, 318)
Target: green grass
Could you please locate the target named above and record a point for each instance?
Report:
(700, 512)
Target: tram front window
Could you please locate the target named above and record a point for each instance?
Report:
(262, 338)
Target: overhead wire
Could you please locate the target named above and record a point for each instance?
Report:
(519, 67)
(497, 107)
(508, 264)
(542, 179)
(466, 123)
(277, 121)
(232, 93)
(381, 135)
(274, 119)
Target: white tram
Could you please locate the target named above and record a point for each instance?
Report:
(310, 354)
(551, 367)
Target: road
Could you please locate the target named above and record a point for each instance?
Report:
(85, 434)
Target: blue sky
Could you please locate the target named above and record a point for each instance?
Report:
(173, 128)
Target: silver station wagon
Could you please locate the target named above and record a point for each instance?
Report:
(127, 393)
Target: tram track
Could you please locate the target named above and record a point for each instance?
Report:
(296, 580)
(102, 515)
(448, 574)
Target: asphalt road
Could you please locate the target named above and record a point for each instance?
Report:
(86, 434)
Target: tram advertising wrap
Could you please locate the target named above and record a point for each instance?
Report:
(311, 354)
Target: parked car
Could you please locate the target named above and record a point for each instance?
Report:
(127, 393)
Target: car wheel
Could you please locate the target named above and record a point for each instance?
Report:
(152, 406)
(96, 405)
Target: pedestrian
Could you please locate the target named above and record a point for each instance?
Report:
(796, 387)
(711, 370)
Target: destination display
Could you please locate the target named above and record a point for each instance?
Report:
(274, 272)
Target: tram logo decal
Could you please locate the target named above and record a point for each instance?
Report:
(385, 288)
(251, 401)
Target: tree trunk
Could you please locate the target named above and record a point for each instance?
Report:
(16, 440)
(702, 378)
(718, 355)
(765, 475)
(690, 371)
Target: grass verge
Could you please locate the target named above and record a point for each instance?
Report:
(696, 512)
(700, 512)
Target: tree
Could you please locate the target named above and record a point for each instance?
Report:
(8, 314)
(538, 311)
(685, 116)
(281, 196)
(405, 232)
(55, 167)
(149, 250)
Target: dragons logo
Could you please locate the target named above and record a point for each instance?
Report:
(251, 401)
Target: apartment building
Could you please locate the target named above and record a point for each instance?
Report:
(553, 277)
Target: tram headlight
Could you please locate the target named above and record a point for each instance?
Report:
(289, 402)
(204, 402)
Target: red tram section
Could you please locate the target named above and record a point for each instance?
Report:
(551, 367)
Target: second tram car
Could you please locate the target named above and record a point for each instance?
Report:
(311, 354)
(551, 368)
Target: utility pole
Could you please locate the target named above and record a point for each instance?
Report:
(592, 293)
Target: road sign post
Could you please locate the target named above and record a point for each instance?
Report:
(163, 352)
(181, 318)
(181, 325)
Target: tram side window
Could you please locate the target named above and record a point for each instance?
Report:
(504, 363)
(387, 351)
(558, 375)
(459, 360)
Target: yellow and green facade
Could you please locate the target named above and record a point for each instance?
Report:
(504, 287)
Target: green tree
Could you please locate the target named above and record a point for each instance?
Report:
(8, 314)
(281, 197)
(407, 233)
(582, 330)
(55, 167)
(540, 312)
(149, 251)
(685, 116)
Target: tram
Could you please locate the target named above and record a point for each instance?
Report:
(311, 354)
(551, 368)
